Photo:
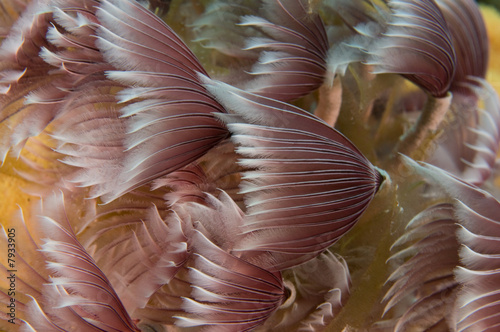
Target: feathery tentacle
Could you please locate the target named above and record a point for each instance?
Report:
(310, 183)
(168, 112)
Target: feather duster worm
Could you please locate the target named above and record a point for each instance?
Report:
(286, 42)
(70, 90)
(424, 286)
(224, 16)
(75, 294)
(310, 184)
(410, 38)
(229, 294)
(418, 45)
(319, 289)
(476, 124)
(22, 71)
(293, 61)
(470, 41)
(477, 213)
(468, 147)
(87, 42)
(169, 119)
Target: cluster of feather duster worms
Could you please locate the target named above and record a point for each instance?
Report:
(267, 165)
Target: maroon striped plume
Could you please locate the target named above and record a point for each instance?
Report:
(477, 213)
(294, 50)
(418, 45)
(309, 184)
